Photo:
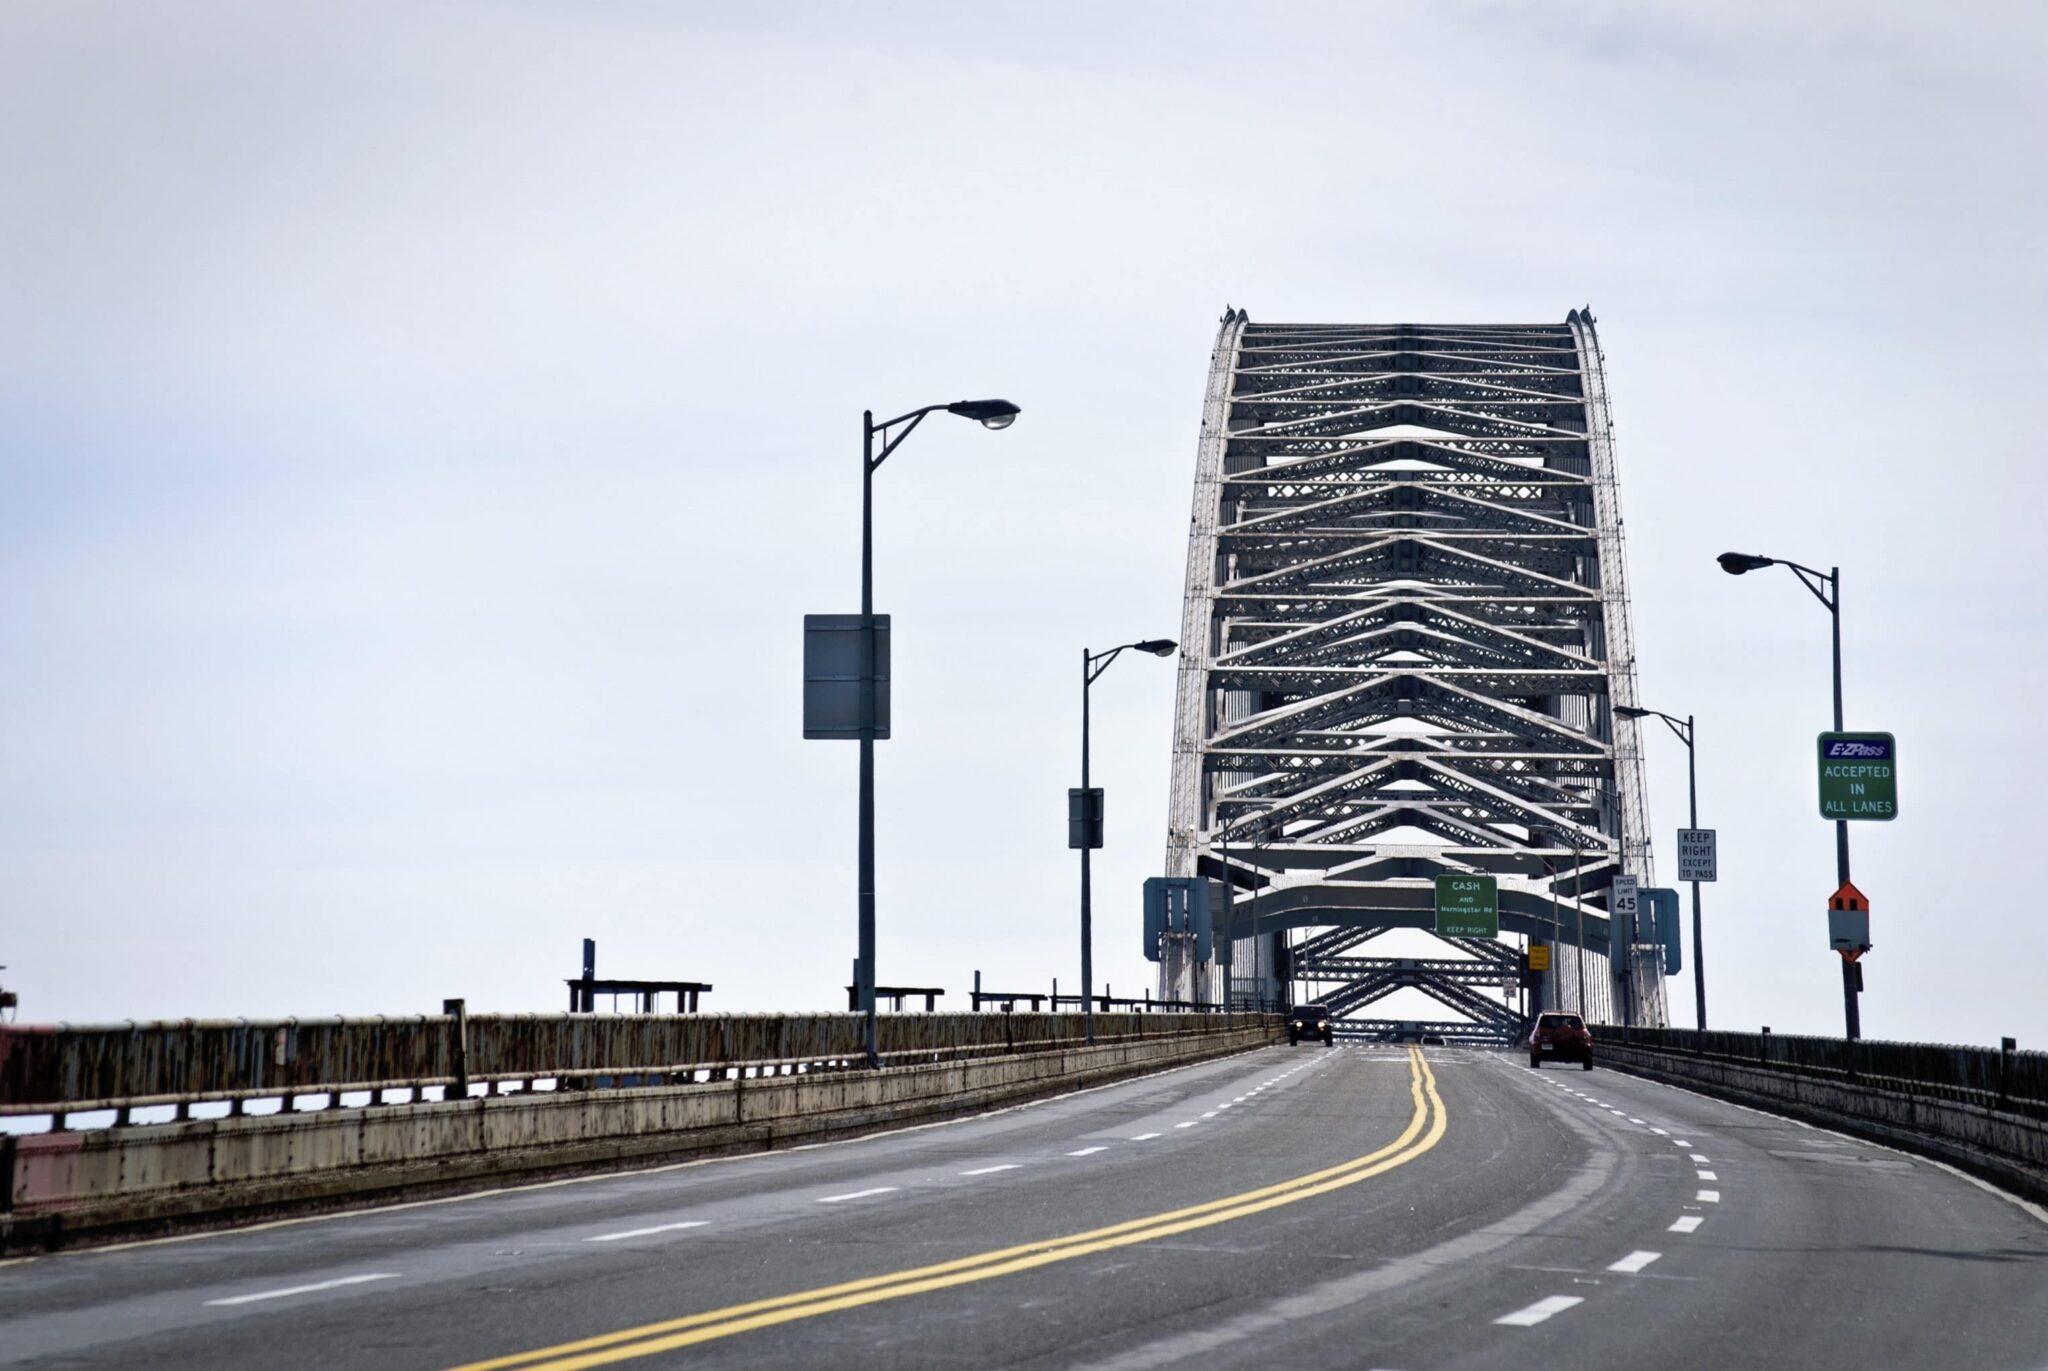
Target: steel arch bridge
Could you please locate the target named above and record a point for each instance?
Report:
(1405, 632)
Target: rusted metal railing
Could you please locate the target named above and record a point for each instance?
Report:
(1994, 1078)
(65, 1069)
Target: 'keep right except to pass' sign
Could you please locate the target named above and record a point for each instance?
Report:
(1859, 776)
(1696, 855)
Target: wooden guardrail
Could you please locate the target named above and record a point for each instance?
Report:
(62, 1069)
(1994, 1078)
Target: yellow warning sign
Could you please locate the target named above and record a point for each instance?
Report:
(1539, 956)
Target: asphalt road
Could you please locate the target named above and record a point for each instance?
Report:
(1308, 1207)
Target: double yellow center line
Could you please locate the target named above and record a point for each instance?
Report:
(1425, 1128)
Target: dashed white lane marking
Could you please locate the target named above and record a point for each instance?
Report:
(1686, 1224)
(1539, 1311)
(1240, 1099)
(645, 1232)
(1708, 1197)
(1698, 1160)
(857, 1194)
(1680, 1142)
(1188, 1124)
(1145, 1137)
(1634, 1262)
(991, 1170)
(1638, 1121)
(1210, 1115)
(1087, 1152)
(306, 1289)
(1708, 1176)
(1660, 1132)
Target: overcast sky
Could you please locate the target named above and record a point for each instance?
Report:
(422, 429)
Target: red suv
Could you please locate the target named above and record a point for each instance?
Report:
(1560, 1037)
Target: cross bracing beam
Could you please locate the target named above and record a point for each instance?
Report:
(1459, 970)
(1406, 630)
(1333, 941)
(1398, 1030)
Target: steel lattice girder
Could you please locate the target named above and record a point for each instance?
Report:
(1406, 627)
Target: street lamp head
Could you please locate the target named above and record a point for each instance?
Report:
(991, 413)
(1631, 712)
(1158, 647)
(1735, 563)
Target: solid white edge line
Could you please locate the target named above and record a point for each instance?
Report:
(305, 1289)
(1634, 1262)
(644, 1232)
(2035, 1211)
(1539, 1311)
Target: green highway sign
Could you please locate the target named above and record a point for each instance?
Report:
(1859, 776)
(1467, 907)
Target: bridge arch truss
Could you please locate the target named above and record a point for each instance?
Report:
(1406, 628)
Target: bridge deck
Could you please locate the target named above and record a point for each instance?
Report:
(1529, 1219)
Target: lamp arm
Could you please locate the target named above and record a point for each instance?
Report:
(909, 421)
(1094, 671)
(1813, 581)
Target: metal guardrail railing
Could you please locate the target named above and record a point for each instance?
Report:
(1993, 1078)
(65, 1069)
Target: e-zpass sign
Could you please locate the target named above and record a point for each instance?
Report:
(1859, 776)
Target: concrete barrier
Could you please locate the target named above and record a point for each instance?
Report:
(2008, 1147)
(65, 1187)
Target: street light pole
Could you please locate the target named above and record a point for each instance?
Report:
(1699, 946)
(1684, 729)
(1852, 1014)
(1093, 664)
(1736, 564)
(865, 981)
(995, 414)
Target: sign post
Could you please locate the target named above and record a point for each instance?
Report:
(1467, 906)
(1859, 776)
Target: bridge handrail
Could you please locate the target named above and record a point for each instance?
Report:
(66, 1068)
(1990, 1078)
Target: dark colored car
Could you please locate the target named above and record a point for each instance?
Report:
(1560, 1038)
(1309, 1021)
